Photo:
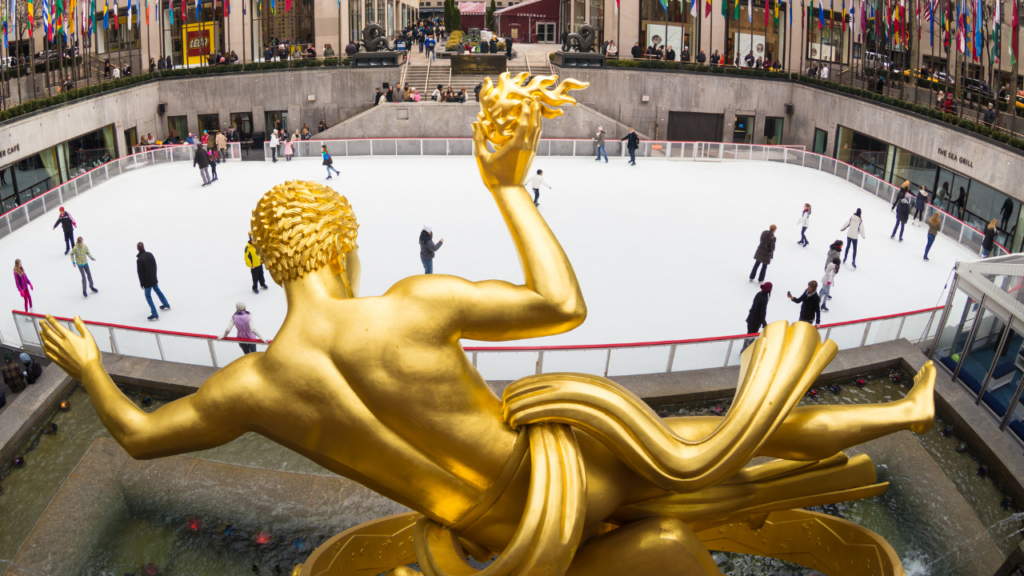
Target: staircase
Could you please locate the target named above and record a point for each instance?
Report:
(417, 77)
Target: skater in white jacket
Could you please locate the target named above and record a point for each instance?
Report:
(854, 227)
(805, 218)
(536, 181)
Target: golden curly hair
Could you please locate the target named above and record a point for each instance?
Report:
(300, 227)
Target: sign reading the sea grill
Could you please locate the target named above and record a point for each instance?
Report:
(952, 156)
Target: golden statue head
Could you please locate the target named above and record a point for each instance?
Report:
(300, 227)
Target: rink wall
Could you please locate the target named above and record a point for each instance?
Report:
(619, 93)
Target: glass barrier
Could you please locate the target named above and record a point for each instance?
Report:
(642, 360)
(227, 352)
(847, 336)
(506, 365)
(883, 330)
(588, 361)
(185, 350)
(701, 355)
(136, 343)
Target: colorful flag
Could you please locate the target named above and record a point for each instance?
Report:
(199, 10)
(725, 6)
(750, 12)
(147, 12)
(979, 28)
(831, 13)
(821, 14)
(1013, 35)
(227, 7)
(170, 10)
(789, 8)
(288, 5)
(961, 45)
(997, 18)
(184, 11)
(767, 9)
(707, 8)
(129, 14)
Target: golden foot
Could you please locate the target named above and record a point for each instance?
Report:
(921, 399)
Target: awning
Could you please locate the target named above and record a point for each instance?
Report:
(472, 7)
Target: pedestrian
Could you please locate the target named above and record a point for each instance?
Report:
(810, 304)
(764, 252)
(960, 201)
(68, 224)
(827, 281)
(902, 214)
(901, 194)
(805, 217)
(919, 204)
(758, 311)
(205, 138)
(222, 146)
(430, 47)
(23, 284)
(288, 148)
(834, 251)
(145, 265)
(428, 249)
(1006, 211)
(536, 181)
(12, 374)
(202, 159)
(252, 260)
(990, 116)
(241, 321)
(274, 142)
(79, 255)
(854, 228)
(988, 243)
(599, 138)
(321, 126)
(632, 142)
(399, 94)
(377, 97)
(33, 370)
(328, 161)
(934, 226)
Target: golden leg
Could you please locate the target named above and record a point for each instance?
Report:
(816, 432)
(652, 547)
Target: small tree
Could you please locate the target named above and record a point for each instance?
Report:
(456, 17)
(448, 14)
(489, 18)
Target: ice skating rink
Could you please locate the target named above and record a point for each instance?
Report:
(662, 250)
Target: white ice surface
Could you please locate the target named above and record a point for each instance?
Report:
(662, 250)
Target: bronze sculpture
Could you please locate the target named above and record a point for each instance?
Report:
(583, 39)
(569, 473)
(374, 39)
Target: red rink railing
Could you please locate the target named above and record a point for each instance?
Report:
(509, 362)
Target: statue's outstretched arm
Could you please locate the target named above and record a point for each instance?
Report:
(191, 423)
(550, 300)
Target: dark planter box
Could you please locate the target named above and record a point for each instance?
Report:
(479, 64)
(579, 59)
(376, 59)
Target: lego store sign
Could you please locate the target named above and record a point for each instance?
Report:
(198, 43)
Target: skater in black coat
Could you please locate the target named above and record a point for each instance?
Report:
(758, 311)
(810, 304)
(902, 214)
(68, 224)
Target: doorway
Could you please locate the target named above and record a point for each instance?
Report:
(820, 141)
(545, 32)
(131, 140)
(694, 127)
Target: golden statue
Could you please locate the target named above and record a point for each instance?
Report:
(568, 473)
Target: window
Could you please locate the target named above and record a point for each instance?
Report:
(828, 43)
(596, 18)
(752, 37)
(242, 121)
(355, 25)
(210, 123)
(275, 117)
(676, 28)
(177, 128)
(773, 130)
(743, 130)
(579, 14)
(820, 141)
(864, 152)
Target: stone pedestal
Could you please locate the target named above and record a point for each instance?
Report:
(377, 59)
(579, 60)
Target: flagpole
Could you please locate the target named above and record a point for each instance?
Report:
(803, 37)
(1015, 60)
(789, 36)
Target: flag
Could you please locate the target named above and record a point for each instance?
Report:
(227, 7)
(184, 13)
(996, 23)
(961, 45)
(821, 14)
(129, 14)
(776, 12)
(918, 13)
(288, 6)
(147, 12)
(863, 18)
(170, 10)
(789, 8)
(767, 9)
(199, 10)
(831, 13)
(273, 7)
(725, 5)
(979, 28)
(1013, 35)
(736, 15)
(750, 12)
(931, 23)
(707, 8)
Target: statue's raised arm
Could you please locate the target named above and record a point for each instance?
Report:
(505, 138)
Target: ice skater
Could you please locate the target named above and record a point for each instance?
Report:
(810, 304)
(934, 226)
(241, 321)
(756, 318)
(328, 161)
(202, 159)
(763, 254)
(274, 142)
(536, 181)
(428, 249)
(919, 204)
(901, 194)
(68, 224)
(252, 260)
(23, 284)
(854, 227)
(80, 257)
(145, 265)
(902, 214)
(805, 218)
(827, 281)
(213, 164)
(287, 149)
(599, 139)
(632, 143)
(834, 251)
(989, 242)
